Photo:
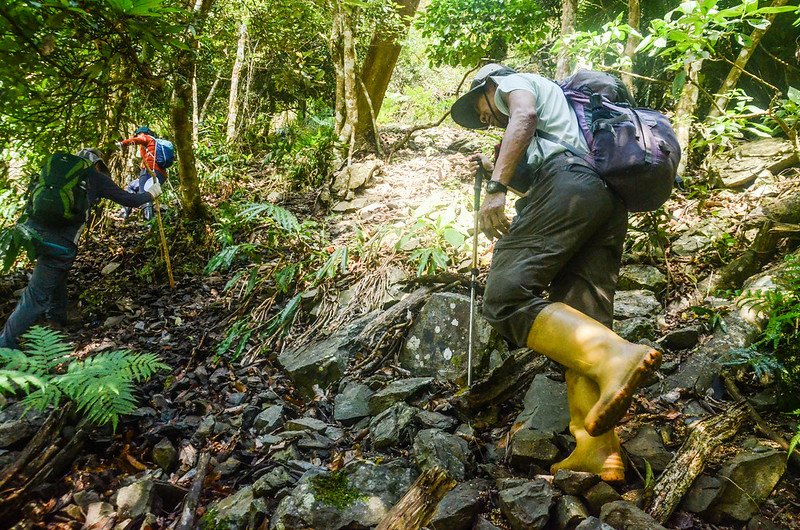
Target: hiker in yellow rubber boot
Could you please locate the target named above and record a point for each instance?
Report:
(567, 239)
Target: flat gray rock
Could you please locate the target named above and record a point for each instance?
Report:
(636, 303)
(392, 426)
(641, 277)
(396, 391)
(527, 506)
(740, 166)
(624, 515)
(435, 448)
(457, 510)
(352, 403)
(648, 445)
(235, 512)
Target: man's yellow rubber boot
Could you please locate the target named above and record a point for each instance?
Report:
(585, 345)
(596, 454)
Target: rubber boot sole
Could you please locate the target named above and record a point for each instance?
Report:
(607, 412)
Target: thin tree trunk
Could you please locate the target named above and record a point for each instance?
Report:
(741, 62)
(684, 111)
(195, 115)
(247, 115)
(209, 97)
(350, 84)
(233, 99)
(634, 18)
(181, 114)
(337, 57)
(569, 13)
(377, 70)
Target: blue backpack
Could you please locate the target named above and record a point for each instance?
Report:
(165, 153)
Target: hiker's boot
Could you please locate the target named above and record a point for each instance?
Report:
(596, 454)
(585, 345)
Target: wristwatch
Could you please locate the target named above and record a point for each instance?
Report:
(494, 186)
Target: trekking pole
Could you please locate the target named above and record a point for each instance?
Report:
(473, 283)
(164, 248)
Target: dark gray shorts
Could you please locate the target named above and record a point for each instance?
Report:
(567, 239)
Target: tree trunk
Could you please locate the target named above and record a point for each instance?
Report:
(233, 99)
(181, 114)
(569, 13)
(684, 111)
(209, 97)
(634, 18)
(195, 115)
(739, 65)
(343, 53)
(377, 71)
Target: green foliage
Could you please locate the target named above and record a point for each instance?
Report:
(778, 349)
(14, 241)
(101, 386)
(694, 29)
(796, 438)
(647, 234)
(305, 152)
(436, 236)
(465, 32)
(732, 126)
(605, 47)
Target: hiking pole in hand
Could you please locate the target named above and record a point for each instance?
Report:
(473, 283)
(164, 248)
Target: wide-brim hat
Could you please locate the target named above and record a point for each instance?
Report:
(464, 110)
(143, 129)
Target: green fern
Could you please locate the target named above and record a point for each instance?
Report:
(283, 217)
(795, 439)
(101, 386)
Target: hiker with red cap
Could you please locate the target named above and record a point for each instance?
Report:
(567, 239)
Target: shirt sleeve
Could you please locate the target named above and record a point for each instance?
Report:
(105, 188)
(137, 140)
(508, 84)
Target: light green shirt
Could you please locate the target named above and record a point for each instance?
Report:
(555, 115)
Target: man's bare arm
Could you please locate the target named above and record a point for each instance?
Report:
(522, 123)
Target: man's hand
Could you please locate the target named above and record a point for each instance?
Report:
(155, 190)
(478, 160)
(119, 146)
(492, 217)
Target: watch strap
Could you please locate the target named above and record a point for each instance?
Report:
(494, 186)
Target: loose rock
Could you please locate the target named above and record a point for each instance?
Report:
(434, 448)
(527, 507)
(624, 515)
(396, 391)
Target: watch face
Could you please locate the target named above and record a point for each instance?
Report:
(494, 187)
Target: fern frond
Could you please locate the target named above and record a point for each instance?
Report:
(283, 217)
(12, 381)
(48, 346)
(19, 361)
(43, 397)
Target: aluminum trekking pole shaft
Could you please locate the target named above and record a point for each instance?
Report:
(473, 283)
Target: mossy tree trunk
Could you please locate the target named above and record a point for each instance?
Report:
(181, 113)
(634, 19)
(379, 64)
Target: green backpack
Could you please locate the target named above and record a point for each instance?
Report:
(58, 196)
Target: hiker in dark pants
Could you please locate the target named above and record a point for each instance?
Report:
(46, 294)
(567, 239)
(146, 140)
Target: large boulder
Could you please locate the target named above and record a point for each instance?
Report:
(323, 363)
(545, 404)
(437, 343)
(358, 496)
